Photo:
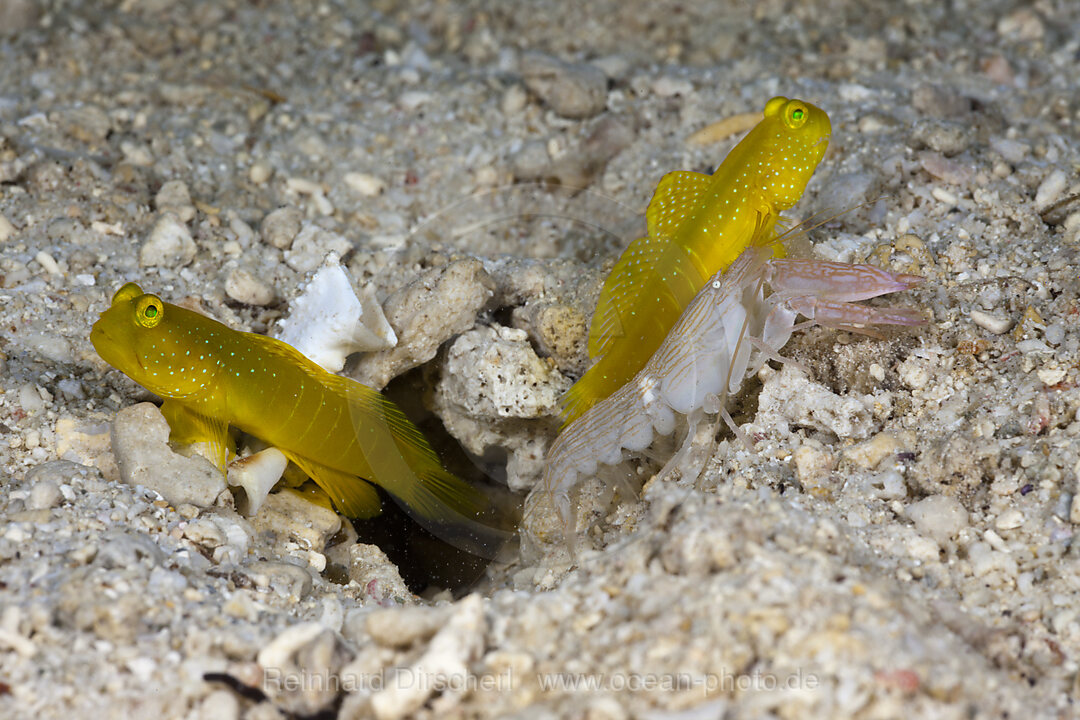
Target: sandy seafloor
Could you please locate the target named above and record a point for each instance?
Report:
(898, 544)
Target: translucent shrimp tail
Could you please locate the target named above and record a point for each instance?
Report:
(686, 461)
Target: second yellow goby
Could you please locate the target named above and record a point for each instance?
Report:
(697, 225)
(342, 434)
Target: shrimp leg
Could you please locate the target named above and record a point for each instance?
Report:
(849, 316)
(693, 421)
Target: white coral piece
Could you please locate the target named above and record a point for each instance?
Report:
(257, 474)
(328, 322)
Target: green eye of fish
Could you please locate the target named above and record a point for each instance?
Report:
(148, 311)
(795, 117)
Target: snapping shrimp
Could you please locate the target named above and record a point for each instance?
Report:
(724, 336)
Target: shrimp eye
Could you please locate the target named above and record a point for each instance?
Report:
(795, 116)
(149, 311)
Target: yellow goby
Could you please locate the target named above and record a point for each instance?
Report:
(697, 225)
(342, 434)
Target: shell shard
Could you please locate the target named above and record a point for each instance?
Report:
(328, 321)
(257, 474)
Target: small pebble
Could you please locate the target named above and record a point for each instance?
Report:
(940, 517)
(723, 129)
(945, 169)
(813, 465)
(1022, 24)
(947, 138)
(6, 229)
(410, 100)
(260, 172)
(311, 246)
(1050, 189)
(364, 184)
(1074, 508)
(869, 454)
(943, 196)
(914, 374)
(290, 582)
(572, 90)
(401, 627)
(288, 514)
(203, 531)
(1013, 151)
(1009, 520)
(985, 559)
(494, 372)
(486, 176)
(667, 86)
(175, 197)
(313, 190)
(531, 161)
(277, 654)
(513, 100)
(239, 535)
(242, 286)
(939, 102)
(990, 323)
(371, 569)
(169, 245)
(56, 348)
(281, 226)
(48, 263)
(1051, 376)
(219, 705)
(140, 441)
(44, 494)
(922, 549)
(892, 484)
(86, 123)
(997, 68)
(303, 186)
(1054, 333)
(137, 154)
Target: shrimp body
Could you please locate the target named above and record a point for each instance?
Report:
(725, 335)
(697, 225)
(342, 434)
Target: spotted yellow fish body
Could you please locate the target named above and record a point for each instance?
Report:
(697, 225)
(342, 434)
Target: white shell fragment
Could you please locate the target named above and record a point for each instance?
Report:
(257, 474)
(991, 323)
(327, 322)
